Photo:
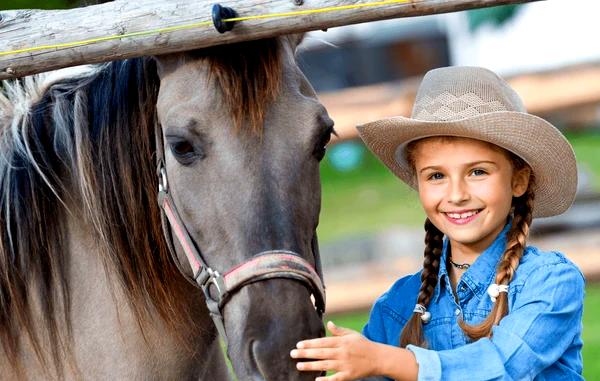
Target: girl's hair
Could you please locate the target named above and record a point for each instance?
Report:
(522, 213)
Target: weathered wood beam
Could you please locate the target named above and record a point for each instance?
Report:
(24, 29)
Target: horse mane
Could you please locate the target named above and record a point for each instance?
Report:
(89, 141)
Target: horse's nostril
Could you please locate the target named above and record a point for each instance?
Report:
(262, 337)
(257, 356)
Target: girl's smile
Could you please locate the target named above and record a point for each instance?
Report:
(462, 217)
(466, 187)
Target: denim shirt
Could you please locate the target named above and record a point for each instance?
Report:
(540, 338)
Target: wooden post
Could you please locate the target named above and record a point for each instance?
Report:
(124, 28)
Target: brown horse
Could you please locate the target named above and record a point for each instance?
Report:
(88, 288)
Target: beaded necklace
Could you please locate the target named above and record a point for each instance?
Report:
(460, 266)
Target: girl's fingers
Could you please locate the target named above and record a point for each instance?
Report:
(316, 353)
(316, 365)
(323, 342)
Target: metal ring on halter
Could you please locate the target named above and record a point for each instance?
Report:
(163, 185)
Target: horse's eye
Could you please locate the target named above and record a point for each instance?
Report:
(183, 151)
(321, 146)
(182, 148)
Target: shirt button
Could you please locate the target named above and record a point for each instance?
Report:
(457, 312)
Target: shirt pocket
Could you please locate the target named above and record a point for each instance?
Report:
(476, 315)
(438, 332)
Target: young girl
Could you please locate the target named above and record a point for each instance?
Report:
(485, 306)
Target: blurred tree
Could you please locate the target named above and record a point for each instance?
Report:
(494, 15)
(37, 4)
(46, 4)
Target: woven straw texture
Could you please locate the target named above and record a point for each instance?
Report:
(476, 103)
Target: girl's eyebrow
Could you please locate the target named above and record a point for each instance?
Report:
(470, 164)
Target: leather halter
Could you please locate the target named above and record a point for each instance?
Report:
(218, 288)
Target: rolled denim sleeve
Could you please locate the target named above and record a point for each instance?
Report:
(430, 367)
(543, 321)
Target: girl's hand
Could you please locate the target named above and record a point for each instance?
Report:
(348, 353)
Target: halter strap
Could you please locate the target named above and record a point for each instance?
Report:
(276, 264)
(218, 288)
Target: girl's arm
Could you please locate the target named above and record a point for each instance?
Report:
(354, 357)
(544, 321)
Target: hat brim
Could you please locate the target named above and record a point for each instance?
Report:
(533, 139)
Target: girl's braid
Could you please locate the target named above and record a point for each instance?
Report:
(516, 241)
(413, 330)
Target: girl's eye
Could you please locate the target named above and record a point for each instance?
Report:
(436, 176)
(478, 172)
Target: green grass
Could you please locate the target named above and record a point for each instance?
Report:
(364, 200)
(591, 330)
(369, 198)
(587, 149)
(591, 333)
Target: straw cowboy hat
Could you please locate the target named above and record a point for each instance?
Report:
(476, 103)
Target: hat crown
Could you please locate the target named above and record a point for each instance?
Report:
(453, 93)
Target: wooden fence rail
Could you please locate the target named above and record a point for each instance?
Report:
(33, 41)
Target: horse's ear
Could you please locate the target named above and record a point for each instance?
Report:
(166, 63)
(295, 40)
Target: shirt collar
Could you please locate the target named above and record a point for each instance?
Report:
(482, 271)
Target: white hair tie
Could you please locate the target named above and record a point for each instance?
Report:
(425, 315)
(495, 289)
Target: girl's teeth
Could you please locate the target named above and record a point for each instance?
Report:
(462, 215)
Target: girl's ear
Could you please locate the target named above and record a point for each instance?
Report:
(520, 181)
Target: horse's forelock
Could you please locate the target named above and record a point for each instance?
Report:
(249, 75)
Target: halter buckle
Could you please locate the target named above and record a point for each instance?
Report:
(218, 281)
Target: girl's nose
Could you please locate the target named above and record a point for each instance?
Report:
(458, 192)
